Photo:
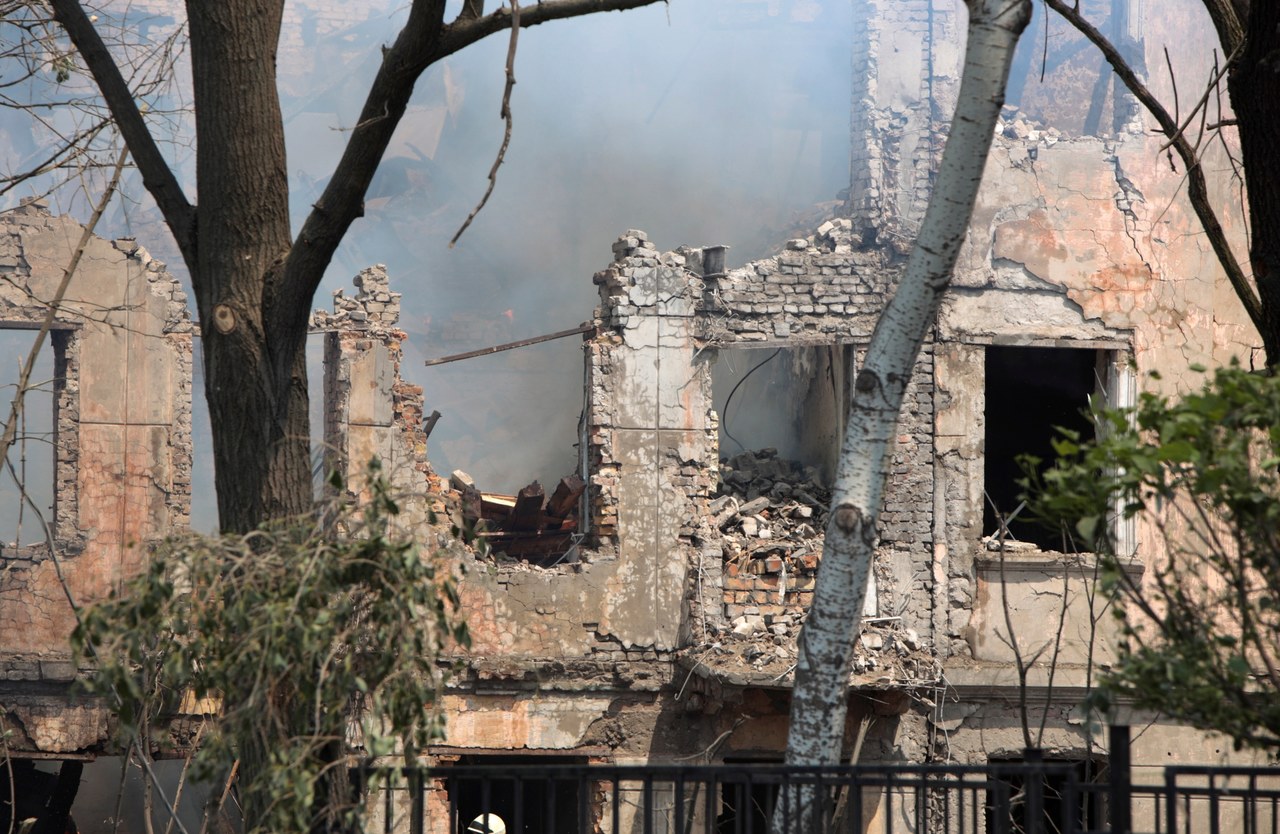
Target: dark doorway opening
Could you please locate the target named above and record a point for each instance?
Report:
(493, 802)
(1031, 392)
(746, 807)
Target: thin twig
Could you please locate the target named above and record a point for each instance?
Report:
(506, 117)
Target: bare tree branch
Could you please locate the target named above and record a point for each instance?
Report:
(157, 176)
(1197, 188)
(506, 118)
(464, 32)
(424, 40)
(1227, 16)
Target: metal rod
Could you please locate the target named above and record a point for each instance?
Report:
(585, 327)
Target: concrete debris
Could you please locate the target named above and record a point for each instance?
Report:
(772, 512)
(995, 545)
(753, 654)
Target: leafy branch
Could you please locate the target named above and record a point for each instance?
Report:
(314, 644)
(1199, 630)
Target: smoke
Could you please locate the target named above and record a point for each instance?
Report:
(709, 122)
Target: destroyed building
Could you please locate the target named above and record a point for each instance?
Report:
(650, 611)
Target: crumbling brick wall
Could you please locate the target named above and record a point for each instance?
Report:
(122, 341)
(664, 317)
(370, 410)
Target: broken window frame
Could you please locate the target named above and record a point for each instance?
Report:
(1116, 385)
(63, 343)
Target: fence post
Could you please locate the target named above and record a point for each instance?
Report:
(1034, 787)
(1120, 808)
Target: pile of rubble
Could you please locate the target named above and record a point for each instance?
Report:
(885, 655)
(771, 512)
(1014, 124)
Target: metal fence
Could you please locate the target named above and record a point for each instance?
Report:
(1029, 796)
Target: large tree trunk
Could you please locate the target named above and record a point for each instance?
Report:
(1254, 85)
(825, 652)
(255, 371)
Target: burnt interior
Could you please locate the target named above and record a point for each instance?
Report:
(1031, 392)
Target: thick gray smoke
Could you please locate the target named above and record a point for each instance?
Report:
(708, 122)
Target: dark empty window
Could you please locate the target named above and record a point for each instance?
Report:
(746, 806)
(1066, 793)
(519, 799)
(1030, 393)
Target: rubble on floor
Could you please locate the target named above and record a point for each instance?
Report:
(771, 512)
(886, 655)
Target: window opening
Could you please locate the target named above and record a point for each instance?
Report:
(502, 423)
(789, 402)
(782, 414)
(1030, 393)
(746, 805)
(33, 454)
(518, 804)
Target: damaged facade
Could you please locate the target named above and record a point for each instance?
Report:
(673, 637)
(670, 632)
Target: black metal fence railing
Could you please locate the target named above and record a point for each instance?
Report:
(1029, 796)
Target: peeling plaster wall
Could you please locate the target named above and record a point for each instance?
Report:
(122, 454)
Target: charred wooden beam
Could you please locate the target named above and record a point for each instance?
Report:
(430, 423)
(566, 496)
(472, 354)
(527, 512)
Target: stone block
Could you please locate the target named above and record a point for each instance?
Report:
(57, 670)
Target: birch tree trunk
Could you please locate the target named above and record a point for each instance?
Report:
(820, 701)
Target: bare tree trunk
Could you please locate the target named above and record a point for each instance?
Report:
(820, 700)
(255, 373)
(1254, 86)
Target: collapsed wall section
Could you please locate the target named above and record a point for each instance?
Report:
(751, 529)
(370, 411)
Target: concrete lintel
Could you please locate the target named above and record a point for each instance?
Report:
(1038, 561)
(1034, 341)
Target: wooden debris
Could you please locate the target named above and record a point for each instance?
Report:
(527, 512)
(565, 498)
(526, 525)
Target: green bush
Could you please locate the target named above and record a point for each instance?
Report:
(318, 641)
